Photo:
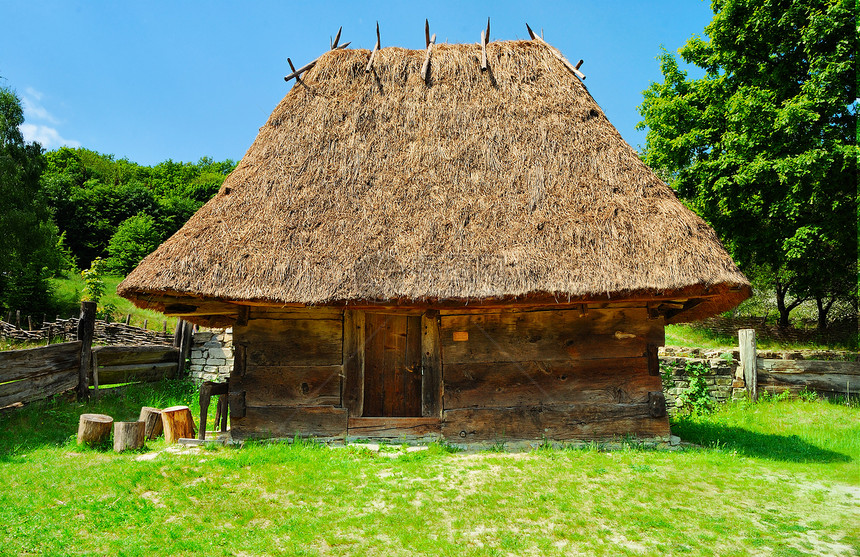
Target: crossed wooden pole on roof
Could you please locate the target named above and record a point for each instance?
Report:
(429, 42)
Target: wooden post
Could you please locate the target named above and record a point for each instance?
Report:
(94, 428)
(86, 330)
(186, 337)
(18, 318)
(29, 322)
(746, 343)
(177, 334)
(164, 328)
(127, 318)
(128, 435)
(95, 356)
(50, 333)
(431, 365)
(178, 424)
(353, 361)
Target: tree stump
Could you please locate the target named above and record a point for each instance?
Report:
(128, 435)
(94, 428)
(178, 424)
(152, 418)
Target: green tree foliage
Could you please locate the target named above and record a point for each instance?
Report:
(763, 146)
(92, 194)
(30, 246)
(135, 238)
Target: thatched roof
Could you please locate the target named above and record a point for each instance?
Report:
(508, 184)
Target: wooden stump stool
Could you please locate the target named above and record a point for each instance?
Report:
(94, 428)
(152, 418)
(178, 424)
(128, 435)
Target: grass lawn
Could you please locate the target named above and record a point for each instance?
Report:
(776, 478)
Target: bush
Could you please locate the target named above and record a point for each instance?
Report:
(135, 238)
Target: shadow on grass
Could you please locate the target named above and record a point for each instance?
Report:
(790, 448)
(54, 422)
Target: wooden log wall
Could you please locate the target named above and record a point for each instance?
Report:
(555, 374)
(287, 374)
(37, 373)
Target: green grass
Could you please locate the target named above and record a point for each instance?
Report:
(697, 337)
(67, 293)
(775, 478)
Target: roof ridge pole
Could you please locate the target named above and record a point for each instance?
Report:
(430, 42)
(375, 50)
(557, 54)
(485, 38)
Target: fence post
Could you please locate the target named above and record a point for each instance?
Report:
(186, 338)
(746, 344)
(86, 330)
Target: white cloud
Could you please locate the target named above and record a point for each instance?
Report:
(47, 136)
(33, 110)
(37, 118)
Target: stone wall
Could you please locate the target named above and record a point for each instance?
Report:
(212, 355)
(724, 378)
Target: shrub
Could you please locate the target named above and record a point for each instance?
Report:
(135, 238)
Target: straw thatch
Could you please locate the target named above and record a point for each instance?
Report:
(504, 184)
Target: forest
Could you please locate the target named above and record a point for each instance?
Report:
(67, 208)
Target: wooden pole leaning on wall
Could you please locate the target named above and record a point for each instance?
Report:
(430, 42)
(86, 331)
(557, 54)
(375, 50)
(296, 73)
(485, 39)
(748, 355)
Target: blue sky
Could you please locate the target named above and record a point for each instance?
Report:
(155, 80)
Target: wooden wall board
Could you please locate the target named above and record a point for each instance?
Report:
(557, 423)
(312, 312)
(431, 366)
(393, 428)
(508, 384)
(548, 335)
(280, 342)
(353, 361)
(290, 385)
(286, 422)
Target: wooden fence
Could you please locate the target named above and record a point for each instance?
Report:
(37, 373)
(126, 364)
(827, 377)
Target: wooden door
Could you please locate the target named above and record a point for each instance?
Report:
(392, 365)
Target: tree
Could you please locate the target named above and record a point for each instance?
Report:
(135, 238)
(29, 253)
(763, 146)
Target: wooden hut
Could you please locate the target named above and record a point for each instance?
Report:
(472, 255)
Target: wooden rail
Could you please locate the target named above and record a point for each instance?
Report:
(126, 364)
(37, 373)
